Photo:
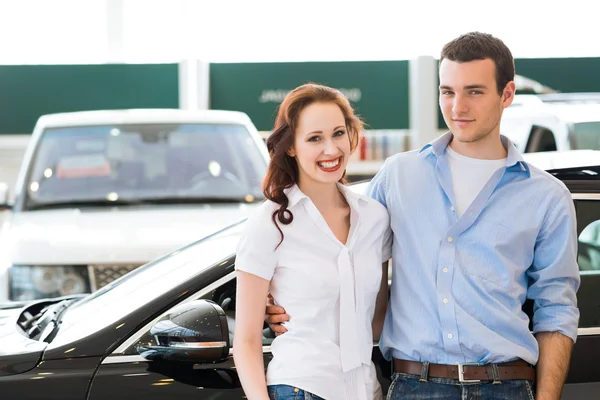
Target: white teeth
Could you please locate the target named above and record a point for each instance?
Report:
(330, 164)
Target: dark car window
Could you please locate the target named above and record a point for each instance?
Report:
(144, 161)
(589, 248)
(588, 227)
(225, 297)
(586, 135)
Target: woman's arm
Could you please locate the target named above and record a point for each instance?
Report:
(381, 303)
(247, 338)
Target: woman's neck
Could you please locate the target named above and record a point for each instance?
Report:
(323, 195)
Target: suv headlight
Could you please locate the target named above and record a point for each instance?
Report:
(29, 282)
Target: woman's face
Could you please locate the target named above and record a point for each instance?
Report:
(321, 144)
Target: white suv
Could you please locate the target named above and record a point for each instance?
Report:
(100, 193)
(553, 122)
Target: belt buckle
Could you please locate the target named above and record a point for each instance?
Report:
(461, 373)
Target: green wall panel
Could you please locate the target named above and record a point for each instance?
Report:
(28, 91)
(377, 89)
(563, 74)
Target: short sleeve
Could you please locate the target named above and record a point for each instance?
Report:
(256, 251)
(381, 224)
(377, 186)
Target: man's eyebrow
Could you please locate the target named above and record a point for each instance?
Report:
(472, 86)
(476, 86)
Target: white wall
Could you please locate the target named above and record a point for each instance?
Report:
(12, 149)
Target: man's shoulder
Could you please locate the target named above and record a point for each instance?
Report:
(408, 160)
(404, 157)
(546, 182)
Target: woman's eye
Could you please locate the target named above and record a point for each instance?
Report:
(340, 133)
(313, 139)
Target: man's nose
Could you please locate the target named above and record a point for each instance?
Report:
(460, 105)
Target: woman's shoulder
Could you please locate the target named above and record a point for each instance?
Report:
(263, 213)
(259, 229)
(267, 207)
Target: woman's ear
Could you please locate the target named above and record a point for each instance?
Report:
(291, 152)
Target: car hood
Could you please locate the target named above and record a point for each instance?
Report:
(133, 234)
(7, 320)
(18, 353)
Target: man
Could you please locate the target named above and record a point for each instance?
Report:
(477, 231)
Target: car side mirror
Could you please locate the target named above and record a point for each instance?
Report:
(4, 196)
(193, 332)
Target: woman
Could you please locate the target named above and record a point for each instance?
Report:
(317, 248)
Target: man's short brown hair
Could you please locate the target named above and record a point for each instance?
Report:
(480, 46)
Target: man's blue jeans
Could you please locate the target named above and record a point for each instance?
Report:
(408, 387)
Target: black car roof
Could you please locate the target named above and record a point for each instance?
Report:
(579, 179)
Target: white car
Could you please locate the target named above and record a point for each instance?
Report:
(553, 122)
(100, 193)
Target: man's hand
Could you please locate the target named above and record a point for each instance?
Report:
(275, 315)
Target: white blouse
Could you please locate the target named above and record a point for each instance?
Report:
(328, 289)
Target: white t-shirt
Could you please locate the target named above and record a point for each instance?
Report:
(328, 289)
(469, 176)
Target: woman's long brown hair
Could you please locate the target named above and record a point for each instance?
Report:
(282, 172)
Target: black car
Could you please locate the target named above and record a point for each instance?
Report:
(165, 329)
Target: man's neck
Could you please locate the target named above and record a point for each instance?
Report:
(489, 148)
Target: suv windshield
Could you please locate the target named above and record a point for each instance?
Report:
(134, 290)
(586, 135)
(136, 162)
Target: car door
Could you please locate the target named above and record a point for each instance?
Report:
(125, 372)
(583, 381)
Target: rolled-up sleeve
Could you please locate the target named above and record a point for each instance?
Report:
(554, 274)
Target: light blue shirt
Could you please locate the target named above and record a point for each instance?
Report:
(458, 284)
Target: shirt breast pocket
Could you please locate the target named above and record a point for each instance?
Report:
(485, 253)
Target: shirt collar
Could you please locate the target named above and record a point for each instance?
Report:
(354, 199)
(438, 147)
(295, 195)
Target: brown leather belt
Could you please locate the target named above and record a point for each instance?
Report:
(518, 369)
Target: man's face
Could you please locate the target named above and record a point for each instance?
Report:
(469, 99)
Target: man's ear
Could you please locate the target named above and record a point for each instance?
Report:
(509, 94)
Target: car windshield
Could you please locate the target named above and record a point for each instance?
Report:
(586, 135)
(120, 298)
(135, 162)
